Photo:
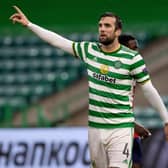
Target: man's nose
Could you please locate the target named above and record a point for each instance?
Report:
(102, 28)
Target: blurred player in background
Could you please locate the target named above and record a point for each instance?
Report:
(129, 41)
(112, 68)
(140, 132)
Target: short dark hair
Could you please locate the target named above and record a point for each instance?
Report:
(118, 24)
(125, 38)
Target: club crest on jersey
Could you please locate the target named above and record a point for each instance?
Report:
(117, 64)
(104, 69)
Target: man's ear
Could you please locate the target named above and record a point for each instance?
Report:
(118, 32)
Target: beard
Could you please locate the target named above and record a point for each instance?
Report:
(106, 41)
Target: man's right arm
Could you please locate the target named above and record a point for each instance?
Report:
(52, 38)
(46, 35)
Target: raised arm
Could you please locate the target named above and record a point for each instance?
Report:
(46, 35)
(154, 98)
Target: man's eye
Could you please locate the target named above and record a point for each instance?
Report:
(107, 25)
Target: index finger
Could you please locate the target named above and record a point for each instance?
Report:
(18, 10)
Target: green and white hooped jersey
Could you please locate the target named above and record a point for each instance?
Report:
(112, 79)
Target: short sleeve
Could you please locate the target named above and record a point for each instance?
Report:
(139, 70)
(81, 49)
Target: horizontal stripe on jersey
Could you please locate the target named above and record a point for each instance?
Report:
(109, 126)
(104, 99)
(137, 64)
(110, 115)
(108, 110)
(101, 120)
(108, 95)
(139, 75)
(108, 105)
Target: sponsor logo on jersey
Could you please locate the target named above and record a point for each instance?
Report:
(104, 78)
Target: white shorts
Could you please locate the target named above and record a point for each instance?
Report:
(111, 147)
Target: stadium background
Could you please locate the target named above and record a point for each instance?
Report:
(44, 87)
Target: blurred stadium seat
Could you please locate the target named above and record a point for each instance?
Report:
(31, 70)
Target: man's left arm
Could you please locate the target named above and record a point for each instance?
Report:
(155, 100)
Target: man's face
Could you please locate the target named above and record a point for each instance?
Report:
(133, 44)
(107, 31)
